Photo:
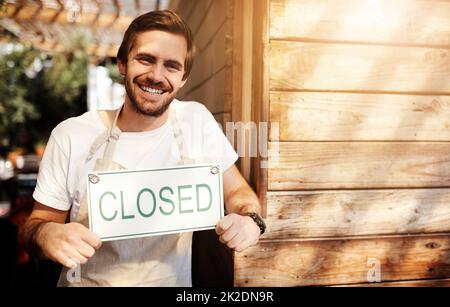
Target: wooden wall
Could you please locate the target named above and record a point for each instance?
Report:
(211, 24)
(360, 169)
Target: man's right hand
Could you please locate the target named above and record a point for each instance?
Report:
(46, 234)
(69, 244)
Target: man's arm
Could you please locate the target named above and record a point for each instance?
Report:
(237, 230)
(47, 236)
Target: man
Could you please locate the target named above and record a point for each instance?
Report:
(155, 59)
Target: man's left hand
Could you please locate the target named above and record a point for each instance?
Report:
(238, 232)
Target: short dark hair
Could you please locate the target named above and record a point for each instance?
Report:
(166, 21)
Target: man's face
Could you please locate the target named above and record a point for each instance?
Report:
(154, 72)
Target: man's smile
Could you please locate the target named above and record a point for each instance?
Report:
(151, 90)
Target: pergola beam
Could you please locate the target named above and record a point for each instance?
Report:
(100, 19)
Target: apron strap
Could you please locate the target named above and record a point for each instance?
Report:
(178, 135)
(109, 119)
(112, 134)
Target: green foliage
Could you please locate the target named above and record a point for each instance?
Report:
(114, 73)
(33, 101)
(68, 73)
(15, 108)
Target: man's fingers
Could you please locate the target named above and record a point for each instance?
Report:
(242, 246)
(76, 256)
(235, 241)
(224, 224)
(229, 234)
(85, 249)
(89, 237)
(70, 258)
(92, 239)
(65, 261)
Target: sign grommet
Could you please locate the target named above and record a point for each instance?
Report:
(94, 179)
(214, 170)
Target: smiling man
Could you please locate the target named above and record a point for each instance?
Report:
(152, 130)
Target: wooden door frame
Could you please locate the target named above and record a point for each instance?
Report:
(250, 79)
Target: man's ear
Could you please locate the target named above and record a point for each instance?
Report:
(122, 67)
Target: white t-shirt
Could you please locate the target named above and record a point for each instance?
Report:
(62, 176)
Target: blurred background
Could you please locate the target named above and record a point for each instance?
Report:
(358, 91)
(57, 60)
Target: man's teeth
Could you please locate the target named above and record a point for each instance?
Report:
(152, 90)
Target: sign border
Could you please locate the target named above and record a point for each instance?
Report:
(148, 234)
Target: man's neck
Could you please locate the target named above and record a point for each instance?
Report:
(132, 121)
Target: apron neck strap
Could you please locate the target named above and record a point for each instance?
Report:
(112, 135)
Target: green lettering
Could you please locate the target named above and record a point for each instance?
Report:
(180, 199)
(139, 201)
(198, 197)
(167, 200)
(100, 206)
(124, 217)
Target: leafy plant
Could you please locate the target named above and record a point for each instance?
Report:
(15, 107)
(37, 91)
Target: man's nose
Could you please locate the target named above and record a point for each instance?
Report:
(156, 73)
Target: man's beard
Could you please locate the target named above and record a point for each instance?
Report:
(141, 110)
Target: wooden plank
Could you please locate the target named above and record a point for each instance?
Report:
(48, 14)
(222, 119)
(341, 67)
(331, 262)
(211, 24)
(409, 283)
(211, 93)
(295, 215)
(260, 92)
(360, 117)
(342, 165)
(199, 14)
(382, 21)
(242, 73)
(208, 63)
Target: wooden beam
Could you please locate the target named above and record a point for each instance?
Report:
(300, 215)
(313, 116)
(50, 15)
(408, 283)
(343, 261)
(297, 66)
(354, 165)
(408, 22)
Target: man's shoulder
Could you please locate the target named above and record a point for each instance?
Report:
(79, 126)
(188, 110)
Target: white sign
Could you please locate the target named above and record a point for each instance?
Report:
(135, 204)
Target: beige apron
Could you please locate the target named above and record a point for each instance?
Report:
(132, 262)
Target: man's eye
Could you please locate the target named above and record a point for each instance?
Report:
(145, 61)
(173, 67)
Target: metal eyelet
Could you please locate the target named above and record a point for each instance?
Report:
(94, 179)
(215, 170)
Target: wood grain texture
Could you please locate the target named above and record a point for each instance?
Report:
(211, 93)
(342, 165)
(360, 117)
(208, 62)
(222, 119)
(297, 66)
(260, 92)
(296, 215)
(381, 21)
(211, 24)
(207, 80)
(332, 262)
(409, 283)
